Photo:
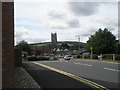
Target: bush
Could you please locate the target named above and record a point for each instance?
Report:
(87, 56)
(55, 58)
(117, 57)
(104, 56)
(94, 56)
(36, 58)
(108, 56)
(78, 56)
(32, 58)
(44, 58)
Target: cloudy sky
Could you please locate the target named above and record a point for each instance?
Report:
(35, 21)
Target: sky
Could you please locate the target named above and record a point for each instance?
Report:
(35, 21)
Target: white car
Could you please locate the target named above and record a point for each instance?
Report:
(68, 57)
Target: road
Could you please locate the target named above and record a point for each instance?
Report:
(104, 74)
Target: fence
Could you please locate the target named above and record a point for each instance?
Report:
(101, 57)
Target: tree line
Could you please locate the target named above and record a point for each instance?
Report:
(101, 42)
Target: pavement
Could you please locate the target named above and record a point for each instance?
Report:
(24, 80)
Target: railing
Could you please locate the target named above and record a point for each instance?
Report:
(114, 57)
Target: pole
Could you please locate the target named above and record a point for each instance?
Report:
(113, 57)
(91, 52)
(78, 42)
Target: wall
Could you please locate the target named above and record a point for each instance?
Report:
(0, 45)
(18, 58)
(8, 63)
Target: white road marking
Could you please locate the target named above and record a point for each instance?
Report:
(112, 69)
(83, 64)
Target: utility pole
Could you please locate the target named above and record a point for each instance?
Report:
(78, 42)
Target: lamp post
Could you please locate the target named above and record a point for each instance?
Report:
(78, 42)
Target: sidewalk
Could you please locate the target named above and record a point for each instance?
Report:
(24, 80)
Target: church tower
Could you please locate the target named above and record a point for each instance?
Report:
(54, 39)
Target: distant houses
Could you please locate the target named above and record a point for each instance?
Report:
(56, 48)
(59, 49)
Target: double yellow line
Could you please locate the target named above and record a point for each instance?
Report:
(88, 82)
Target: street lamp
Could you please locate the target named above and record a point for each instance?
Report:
(78, 42)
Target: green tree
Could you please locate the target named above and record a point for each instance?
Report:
(24, 46)
(103, 41)
(117, 51)
(65, 46)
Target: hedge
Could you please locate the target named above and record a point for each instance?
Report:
(94, 56)
(36, 58)
(117, 57)
(32, 58)
(110, 56)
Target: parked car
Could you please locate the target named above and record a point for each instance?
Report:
(68, 57)
(60, 56)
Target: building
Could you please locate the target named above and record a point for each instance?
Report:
(7, 52)
(54, 39)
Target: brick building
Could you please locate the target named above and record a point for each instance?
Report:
(7, 31)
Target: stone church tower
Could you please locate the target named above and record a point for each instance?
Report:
(54, 39)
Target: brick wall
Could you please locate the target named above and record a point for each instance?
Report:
(0, 46)
(8, 63)
(18, 58)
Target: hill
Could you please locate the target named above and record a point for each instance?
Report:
(70, 43)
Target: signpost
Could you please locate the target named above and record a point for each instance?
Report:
(91, 52)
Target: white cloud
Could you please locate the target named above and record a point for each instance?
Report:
(31, 36)
(35, 21)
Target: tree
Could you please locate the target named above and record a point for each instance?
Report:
(102, 42)
(65, 46)
(117, 51)
(24, 46)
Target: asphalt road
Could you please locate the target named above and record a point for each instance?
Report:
(104, 74)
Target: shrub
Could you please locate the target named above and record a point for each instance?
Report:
(44, 58)
(78, 56)
(94, 56)
(32, 58)
(108, 56)
(36, 58)
(87, 56)
(55, 58)
(117, 57)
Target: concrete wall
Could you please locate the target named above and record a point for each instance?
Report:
(8, 63)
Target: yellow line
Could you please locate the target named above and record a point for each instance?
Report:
(75, 77)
